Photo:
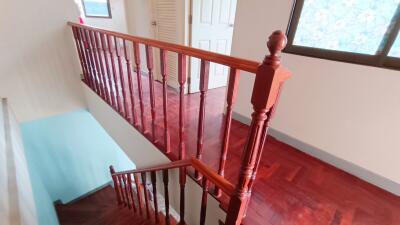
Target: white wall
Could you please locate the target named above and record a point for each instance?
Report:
(349, 111)
(144, 154)
(116, 23)
(38, 64)
(17, 204)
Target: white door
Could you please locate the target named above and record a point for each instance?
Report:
(212, 30)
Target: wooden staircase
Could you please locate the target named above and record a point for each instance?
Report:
(101, 208)
(107, 66)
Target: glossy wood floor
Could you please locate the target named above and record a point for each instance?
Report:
(100, 208)
(292, 188)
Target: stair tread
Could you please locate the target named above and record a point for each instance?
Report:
(100, 208)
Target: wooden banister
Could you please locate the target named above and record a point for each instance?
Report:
(205, 170)
(241, 64)
(213, 177)
(167, 166)
(99, 50)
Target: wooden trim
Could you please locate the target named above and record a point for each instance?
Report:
(104, 17)
(171, 165)
(238, 63)
(212, 176)
(380, 59)
(206, 171)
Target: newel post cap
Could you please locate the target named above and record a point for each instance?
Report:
(276, 43)
(269, 75)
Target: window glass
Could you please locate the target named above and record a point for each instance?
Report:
(345, 25)
(96, 8)
(395, 50)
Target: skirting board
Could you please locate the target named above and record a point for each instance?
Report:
(342, 164)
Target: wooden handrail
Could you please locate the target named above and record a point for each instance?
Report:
(171, 165)
(214, 177)
(206, 171)
(238, 63)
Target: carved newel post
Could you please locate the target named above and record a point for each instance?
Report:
(269, 78)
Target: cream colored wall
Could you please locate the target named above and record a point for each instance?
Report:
(39, 71)
(347, 110)
(17, 204)
(118, 21)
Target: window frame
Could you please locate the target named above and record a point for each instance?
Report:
(381, 59)
(92, 16)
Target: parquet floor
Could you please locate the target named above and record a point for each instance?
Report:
(292, 188)
(100, 208)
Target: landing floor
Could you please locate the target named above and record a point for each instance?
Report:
(291, 187)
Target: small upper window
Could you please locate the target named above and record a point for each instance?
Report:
(97, 8)
(358, 31)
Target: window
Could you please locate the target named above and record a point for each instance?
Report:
(356, 31)
(97, 8)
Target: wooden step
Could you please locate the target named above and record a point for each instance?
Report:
(100, 208)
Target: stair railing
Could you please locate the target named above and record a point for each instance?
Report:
(130, 190)
(105, 58)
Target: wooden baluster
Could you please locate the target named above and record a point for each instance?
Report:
(96, 61)
(124, 110)
(266, 85)
(126, 188)
(182, 184)
(91, 62)
(82, 33)
(163, 59)
(80, 53)
(146, 195)
(116, 185)
(166, 197)
(150, 66)
(131, 191)
(85, 58)
(105, 54)
(130, 85)
(204, 199)
(136, 51)
(155, 198)
(139, 196)
(126, 193)
(230, 99)
(114, 71)
(204, 75)
(182, 80)
(182, 150)
(122, 189)
(103, 75)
